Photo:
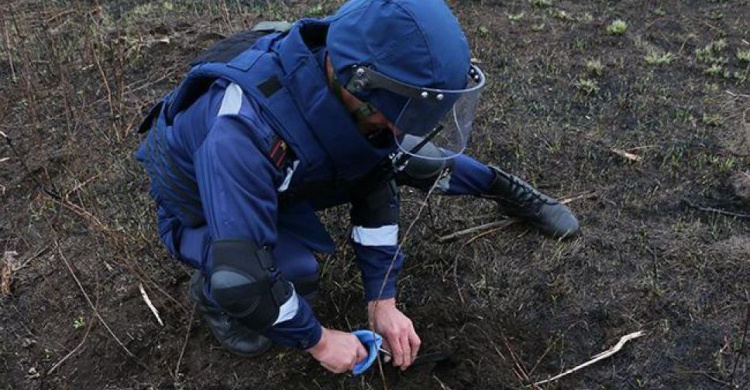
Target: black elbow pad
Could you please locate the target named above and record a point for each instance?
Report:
(244, 285)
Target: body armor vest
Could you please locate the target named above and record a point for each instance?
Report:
(280, 74)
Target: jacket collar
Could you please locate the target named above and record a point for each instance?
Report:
(307, 84)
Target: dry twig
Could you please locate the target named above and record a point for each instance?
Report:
(408, 230)
(395, 256)
(626, 155)
(742, 344)
(10, 52)
(596, 358)
(622, 153)
(184, 345)
(584, 195)
(149, 304)
(86, 295)
(498, 225)
(71, 353)
(717, 211)
(108, 89)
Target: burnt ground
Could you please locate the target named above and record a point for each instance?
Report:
(665, 245)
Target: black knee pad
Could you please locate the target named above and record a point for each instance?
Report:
(246, 285)
(424, 167)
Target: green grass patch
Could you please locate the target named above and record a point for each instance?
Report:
(714, 70)
(541, 3)
(537, 27)
(659, 59)
(711, 53)
(712, 120)
(594, 67)
(516, 17)
(562, 15)
(587, 86)
(618, 27)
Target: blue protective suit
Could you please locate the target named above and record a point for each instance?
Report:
(207, 153)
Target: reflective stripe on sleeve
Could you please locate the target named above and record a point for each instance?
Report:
(288, 310)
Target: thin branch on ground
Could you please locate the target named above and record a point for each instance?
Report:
(406, 235)
(708, 375)
(184, 345)
(619, 152)
(81, 185)
(71, 353)
(442, 385)
(501, 225)
(585, 195)
(519, 368)
(96, 312)
(733, 94)
(83, 213)
(108, 89)
(395, 256)
(489, 339)
(27, 72)
(626, 155)
(742, 344)
(549, 347)
(10, 52)
(596, 358)
(716, 211)
(497, 224)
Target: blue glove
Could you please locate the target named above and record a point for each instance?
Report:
(372, 342)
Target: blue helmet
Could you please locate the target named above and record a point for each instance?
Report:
(410, 60)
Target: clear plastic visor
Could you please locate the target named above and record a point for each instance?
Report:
(450, 128)
(444, 117)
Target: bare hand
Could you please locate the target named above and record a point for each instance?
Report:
(338, 351)
(399, 337)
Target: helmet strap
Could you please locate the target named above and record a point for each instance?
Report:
(362, 111)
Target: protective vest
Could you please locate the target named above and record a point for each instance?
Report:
(280, 73)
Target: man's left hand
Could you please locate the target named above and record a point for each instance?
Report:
(399, 337)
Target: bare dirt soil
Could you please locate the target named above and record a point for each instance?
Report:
(645, 126)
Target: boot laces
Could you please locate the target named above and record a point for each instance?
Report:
(526, 195)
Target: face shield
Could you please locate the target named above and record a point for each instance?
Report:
(441, 116)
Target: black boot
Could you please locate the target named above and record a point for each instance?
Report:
(518, 199)
(234, 336)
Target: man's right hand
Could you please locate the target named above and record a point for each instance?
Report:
(338, 351)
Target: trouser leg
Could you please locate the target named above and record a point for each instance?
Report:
(515, 197)
(192, 246)
(295, 261)
(468, 177)
(297, 264)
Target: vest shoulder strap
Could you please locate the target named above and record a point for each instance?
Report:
(228, 48)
